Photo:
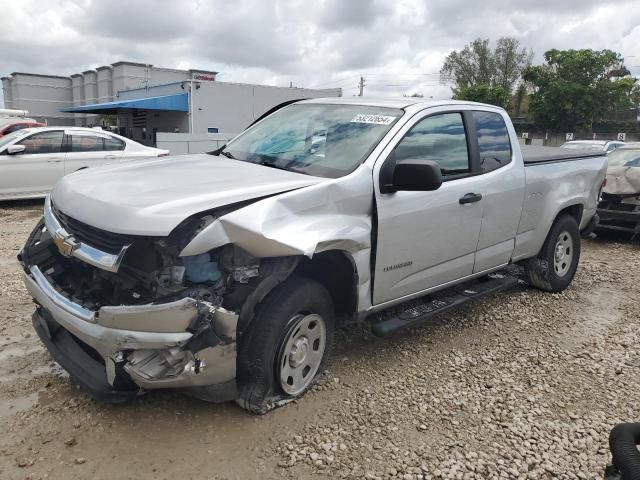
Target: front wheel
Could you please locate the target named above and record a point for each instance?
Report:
(555, 265)
(287, 345)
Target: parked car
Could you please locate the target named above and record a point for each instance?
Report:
(14, 125)
(600, 145)
(32, 160)
(620, 206)
(227, 274)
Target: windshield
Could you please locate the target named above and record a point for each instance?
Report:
(623, 157)
(321, 140)
(7, 139)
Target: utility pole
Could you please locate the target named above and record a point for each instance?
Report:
(361, 86)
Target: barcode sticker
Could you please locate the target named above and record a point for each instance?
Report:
(375, 119)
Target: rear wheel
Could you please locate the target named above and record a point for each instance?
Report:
(555, 265)
(287, 345)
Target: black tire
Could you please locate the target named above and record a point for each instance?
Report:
(260, 348)
(623, 441)
(541, 271)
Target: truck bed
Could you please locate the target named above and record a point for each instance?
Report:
(536, 155)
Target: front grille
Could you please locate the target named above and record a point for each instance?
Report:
(101, 239)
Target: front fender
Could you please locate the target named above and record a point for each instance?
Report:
(333, 215)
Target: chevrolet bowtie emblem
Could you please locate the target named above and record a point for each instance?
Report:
(66, 245)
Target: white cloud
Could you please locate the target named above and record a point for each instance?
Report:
(399, 45)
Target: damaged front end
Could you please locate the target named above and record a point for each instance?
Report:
(619, 208)
(124, 314)
(620, 212)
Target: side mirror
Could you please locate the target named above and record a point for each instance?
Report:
(15, 149)
(416, 175)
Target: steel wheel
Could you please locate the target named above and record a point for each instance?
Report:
(302, 353)
(563, 254)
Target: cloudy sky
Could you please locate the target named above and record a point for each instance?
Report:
(398, 45)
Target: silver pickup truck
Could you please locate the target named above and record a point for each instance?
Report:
(226, 274)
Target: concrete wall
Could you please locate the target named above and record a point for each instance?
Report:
(128, 76)
(77, 93)
(43, 96)
(8, 96)
(181, 143)
(229, 107)
(90, 78)
(154, 91)
(167, 121)
(105, 84)
(232, 107)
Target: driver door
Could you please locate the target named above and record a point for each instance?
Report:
(34, 171)
(429, 238)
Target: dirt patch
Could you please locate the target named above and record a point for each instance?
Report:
(524, 384)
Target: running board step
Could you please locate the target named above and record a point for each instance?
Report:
(418, 314)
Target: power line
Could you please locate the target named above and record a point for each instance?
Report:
(347, 80)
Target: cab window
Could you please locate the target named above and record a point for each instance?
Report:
(440, 138)
(493, 140)
(44, 142)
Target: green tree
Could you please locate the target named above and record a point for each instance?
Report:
(510, 61)
(483, 74)
(575, 88)
(492, 94)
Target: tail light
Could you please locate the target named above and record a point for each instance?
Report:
(604, 183)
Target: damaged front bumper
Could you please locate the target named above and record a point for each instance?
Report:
(620, 213)
(619, 220)
(120, 351)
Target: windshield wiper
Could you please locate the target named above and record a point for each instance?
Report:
(272, 165)
(281, 167)
(228, 155)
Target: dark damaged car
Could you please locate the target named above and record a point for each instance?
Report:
(619, 209)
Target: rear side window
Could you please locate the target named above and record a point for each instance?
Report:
(493, 139)
(45, 142)
(440, 138)
(86, 143)
(111, 143)
(95, 143)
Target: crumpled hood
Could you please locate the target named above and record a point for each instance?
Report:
(622, 180)
(151, 197)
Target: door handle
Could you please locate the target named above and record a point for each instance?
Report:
(470, 198)
(54, 160)
(110, 156)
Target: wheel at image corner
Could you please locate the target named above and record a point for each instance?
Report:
(287, 345)
(555, 265)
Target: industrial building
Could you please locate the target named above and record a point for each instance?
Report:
(142, 100)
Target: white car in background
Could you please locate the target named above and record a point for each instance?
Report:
(32, 160)
(599, 145)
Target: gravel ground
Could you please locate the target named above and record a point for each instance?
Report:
(522, 385)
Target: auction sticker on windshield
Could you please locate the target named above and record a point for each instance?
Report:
(376, 119)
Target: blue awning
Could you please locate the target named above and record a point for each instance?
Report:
(174, 103)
